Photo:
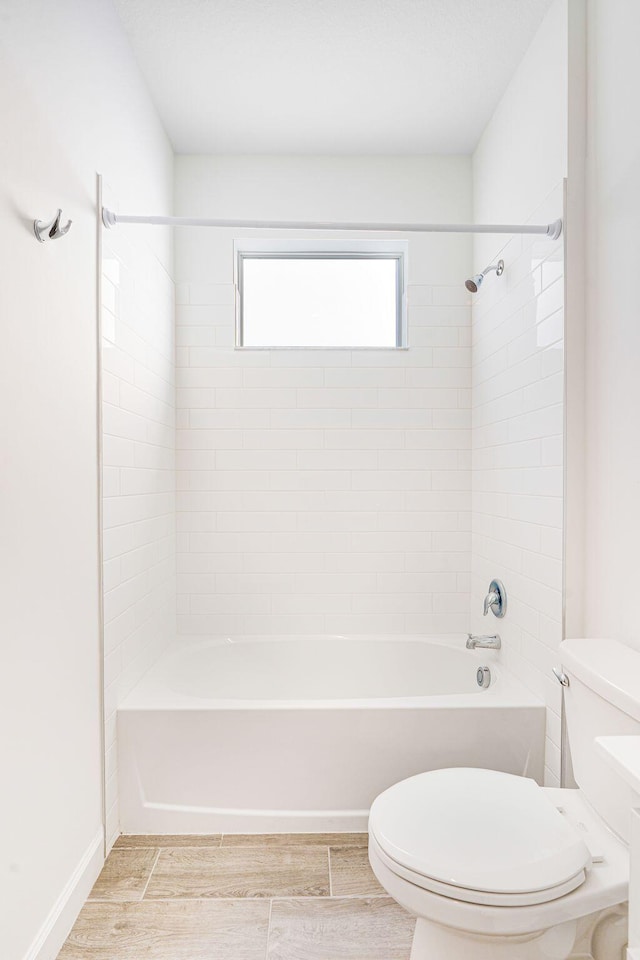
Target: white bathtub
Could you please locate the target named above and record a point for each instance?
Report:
(260, 735)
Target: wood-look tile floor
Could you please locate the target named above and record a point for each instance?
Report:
(239, 897)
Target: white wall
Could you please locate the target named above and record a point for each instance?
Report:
(518, 378)
(323, 491)
(66, 113)
(612, 464)
(139, 479)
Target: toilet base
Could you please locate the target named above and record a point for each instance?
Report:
(432, 941)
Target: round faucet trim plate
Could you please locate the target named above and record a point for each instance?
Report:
(498, 606)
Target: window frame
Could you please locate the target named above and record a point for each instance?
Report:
(324, 250)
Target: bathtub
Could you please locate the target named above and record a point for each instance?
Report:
(263, 735)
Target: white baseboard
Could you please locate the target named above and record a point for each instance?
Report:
(55, 929)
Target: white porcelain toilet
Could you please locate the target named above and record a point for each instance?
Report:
(494, 866)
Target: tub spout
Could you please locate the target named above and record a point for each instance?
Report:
(485, 642)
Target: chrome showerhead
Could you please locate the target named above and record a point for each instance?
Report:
(473, 283)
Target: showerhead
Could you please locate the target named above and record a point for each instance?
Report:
(473, 283)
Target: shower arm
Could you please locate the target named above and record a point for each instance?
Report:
(549, 230)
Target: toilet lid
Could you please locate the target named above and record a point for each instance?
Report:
(478, 830)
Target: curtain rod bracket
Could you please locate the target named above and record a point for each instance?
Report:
(108, 218)
(554, 230)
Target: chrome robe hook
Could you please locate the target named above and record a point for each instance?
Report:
(51, 229)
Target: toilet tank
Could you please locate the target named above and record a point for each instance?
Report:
(602, 699)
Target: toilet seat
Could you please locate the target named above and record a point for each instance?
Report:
(478, 836)
(483, 897)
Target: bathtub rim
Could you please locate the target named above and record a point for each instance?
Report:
(152, 693)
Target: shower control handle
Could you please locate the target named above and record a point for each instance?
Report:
(496, 599)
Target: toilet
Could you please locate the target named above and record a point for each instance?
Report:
(494, 866)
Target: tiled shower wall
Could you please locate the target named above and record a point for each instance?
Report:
(323, 491)
(518, 384)
(518, 372)
(138, 438)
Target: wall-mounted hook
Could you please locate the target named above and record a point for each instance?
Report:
(51, 230)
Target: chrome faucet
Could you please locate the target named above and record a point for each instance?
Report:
(496, 599)
(485, 642)
(489, 601)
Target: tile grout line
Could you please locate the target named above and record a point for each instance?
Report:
(232, 846)
(174, 846)
(268, 929)
(246, 846)
(329, 865)
(279, 897)
(155, 863)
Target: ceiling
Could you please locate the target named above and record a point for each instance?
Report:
(328, 76)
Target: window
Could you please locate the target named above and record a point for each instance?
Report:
(350, 294)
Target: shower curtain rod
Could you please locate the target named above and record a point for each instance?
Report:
(550, 230)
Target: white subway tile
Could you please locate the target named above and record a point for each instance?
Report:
(357, 439)
(256, 459)
(419, 294)
(456, 296)
(228, 419)
(282, 377)
(309, 418)
(360, 564)
(362, 377)
(212, 293)
(309, 358)
(209, 377)
(255, 398)
(420, 315)
(334, 398)
(318, 480)
(337, 459)
(415, 356)
(206, 316)
(225, 438)
(391, 480)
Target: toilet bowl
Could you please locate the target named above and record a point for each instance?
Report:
(493, 865)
